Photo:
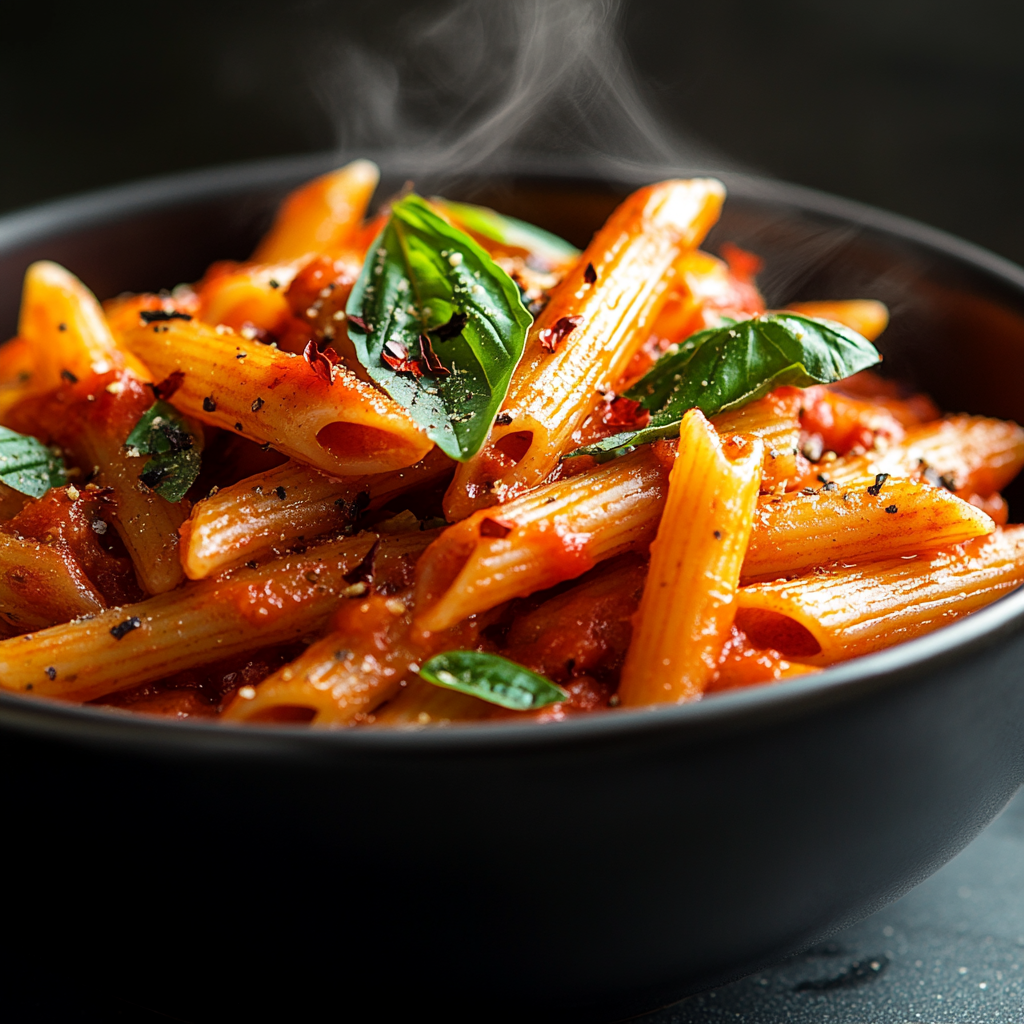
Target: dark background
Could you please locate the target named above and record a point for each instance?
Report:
(913, 105)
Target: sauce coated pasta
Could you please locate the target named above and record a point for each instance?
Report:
(432, 464)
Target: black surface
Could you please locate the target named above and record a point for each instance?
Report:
(592, 868)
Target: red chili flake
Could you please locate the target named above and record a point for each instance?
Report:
(429, 358)
(624, 412)
(452, 329)
(396, 355)
(744, 265)
(496, 527)
(319, 363)
(590, 274)
(551, 337)
(168, 385)
(359, 323)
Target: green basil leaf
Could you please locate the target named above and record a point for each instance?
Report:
(724, 367)
(481, 220)
(28, 466)
(176, 448)
(493, 679)
(450, 321)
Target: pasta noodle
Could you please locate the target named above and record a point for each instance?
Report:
(226, 501)
(631, 259)
(841, 612)
(289, 504)
(196, 624)
(341, 426)
(696, 557)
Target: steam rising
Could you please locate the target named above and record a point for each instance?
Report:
(486, 79)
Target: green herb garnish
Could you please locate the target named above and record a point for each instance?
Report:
(545, 247)
(722, 368)
(493, 679)
(438, 325)
(28, 466)
(176, 448)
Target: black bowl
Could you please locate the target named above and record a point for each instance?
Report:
(584, 870)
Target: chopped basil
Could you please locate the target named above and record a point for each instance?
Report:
(28, 466)
(493, 679)
(725, 367)
(438, 325)
(176, 448)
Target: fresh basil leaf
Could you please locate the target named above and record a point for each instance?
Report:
(445, 326)
(176, 449)
(724, 367)
(28, 466)
(542, 245)
(493, 679)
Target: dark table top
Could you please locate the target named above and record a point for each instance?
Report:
(950, 952)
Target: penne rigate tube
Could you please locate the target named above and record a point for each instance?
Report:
(687, 609)
(565, 362)
(146, 523)
(360, 664)
(342, 427)
(420, 703)
(65, 330)
(286, 505)
(558, 531)
(321, 216)
(859, 522)
(39, 587)
(974, 455)
(554, 533)
(868, 317)
(194, 625)
(846, 612)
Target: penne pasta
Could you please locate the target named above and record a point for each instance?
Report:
(360, 664)
(287, 505)
(193, 625)
(551, 534)
(566, 362)
(419, 704)
(969, 454)
(342, 426)
(845, 612)
(865, 316)
(249, 298)
(321, 216)
(696, 558)
(858, 522)
(65, 332)
(40, 585)
(92, 419)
